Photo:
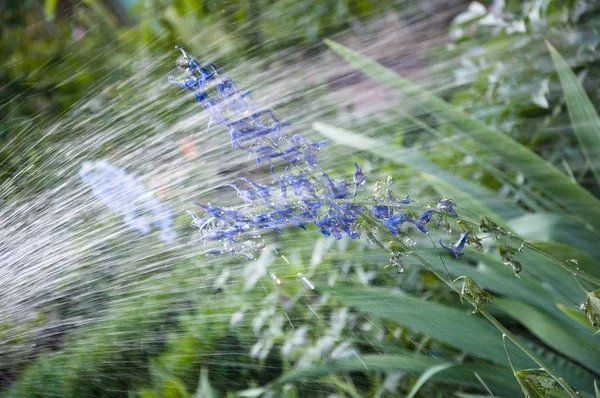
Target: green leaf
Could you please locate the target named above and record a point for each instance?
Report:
(174, 388)
(473, 194)
(544, 175)
(50, 9)
(596, 389)
(536, 383)
(428, 374)
(251, 393)
(204, 389)
(449, 325)
(560, 279)
(455, 327)
(584, 118)
(550, 227)
(463, 395)
(583, 347)
(498, 379)
(577, 315)
(592, 307)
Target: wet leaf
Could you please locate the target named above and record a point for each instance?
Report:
(475, 293)
(428, 374)
(592, 307)
(555, 333)
(498, 379)
(536, 383)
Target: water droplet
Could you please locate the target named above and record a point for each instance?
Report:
(410, 242)
(305, 281)
(275, 278)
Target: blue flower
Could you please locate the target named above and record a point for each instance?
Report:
(214, 211)
(393, 223)
(382, 211)
(311, 150)
(426, 216)
(292, 154)
(447, 204)
(264, 153)
(247, 195)
(417, 224)
(197, 221)
(336, 189)
(298, 182)
(458, 246)
(359, 178)
(262, 190)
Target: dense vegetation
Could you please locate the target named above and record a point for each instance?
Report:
(503, 123)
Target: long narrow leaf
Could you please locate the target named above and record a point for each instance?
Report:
(454, 327)
(412, 158)
(544, 175)
(584, 118)
(582, 347)
(428, 374)
(499, 379)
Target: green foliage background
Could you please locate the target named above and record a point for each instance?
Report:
(519, 161)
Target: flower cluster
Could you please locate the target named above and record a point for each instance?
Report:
(258, 132)
(303, 197)
(127, 197)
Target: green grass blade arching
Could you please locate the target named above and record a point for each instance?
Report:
(544, 175)
(410, 157)
(428, 374)
(584, 118)
(583, 348)
(472, 334)
(497, 378)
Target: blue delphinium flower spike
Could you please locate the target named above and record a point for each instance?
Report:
(458, 246)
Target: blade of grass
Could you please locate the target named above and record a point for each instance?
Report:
(472, 334)
(576, 200)
(428, 374)
(578, 316)
(552, 227)
(584, 118)
(582, 347)
(498, 378)
(412, 158)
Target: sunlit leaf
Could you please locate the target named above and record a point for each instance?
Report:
(536, 383)
(50, 8)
